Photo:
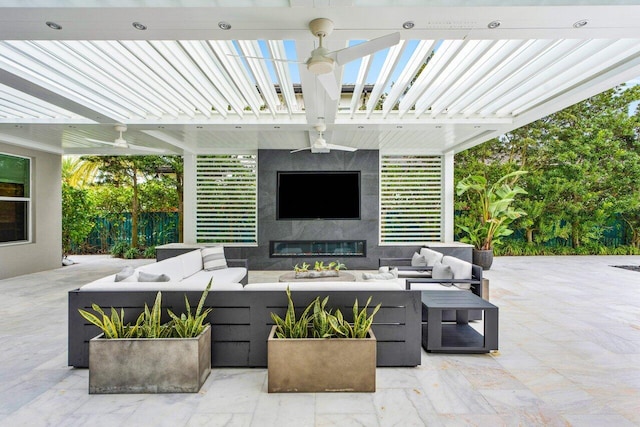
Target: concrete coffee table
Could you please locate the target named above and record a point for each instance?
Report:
(342, 277)
(458, 337)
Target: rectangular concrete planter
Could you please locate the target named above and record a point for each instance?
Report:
(321, 364)
(149, 365)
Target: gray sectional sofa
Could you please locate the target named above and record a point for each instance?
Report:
(241, 312)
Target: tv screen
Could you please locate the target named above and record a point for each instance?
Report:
(318, 195)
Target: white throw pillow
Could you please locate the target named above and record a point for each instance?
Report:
(124, 273)
(418, 260)
(378, 276)
(442, 271)
(431, 256)
(213, 258)
(148, 277)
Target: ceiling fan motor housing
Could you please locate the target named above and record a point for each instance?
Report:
(319, 64)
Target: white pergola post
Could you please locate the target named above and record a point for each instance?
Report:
(447, 196)
(190, 199)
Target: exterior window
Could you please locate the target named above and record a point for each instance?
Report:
(227, 199)
(15, 198)
(410, 199)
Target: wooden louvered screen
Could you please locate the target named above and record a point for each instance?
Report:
(227, 195)
(410, 199)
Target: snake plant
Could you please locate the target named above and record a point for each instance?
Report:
(149, 323)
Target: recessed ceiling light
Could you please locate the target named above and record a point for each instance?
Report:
(581, 23)
(408, 25)
(139, 26)
(224, 25)
(494, 24)
(53, 25)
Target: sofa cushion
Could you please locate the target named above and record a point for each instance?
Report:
(111, 286)
(418, 260)
(461, 270)
(225, 275)
(191, 262)
(213, 258)
(125, 273)
(431, 286)
(172, 267)
(431, 256)
(378, 276)
(148, 277)
(386, 285)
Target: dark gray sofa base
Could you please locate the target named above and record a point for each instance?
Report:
(241, 321)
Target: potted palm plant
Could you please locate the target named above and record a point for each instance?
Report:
(303, 352)
(493, 210)
(150, 356)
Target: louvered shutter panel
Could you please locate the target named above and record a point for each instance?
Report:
(226, 194)
(410, 199)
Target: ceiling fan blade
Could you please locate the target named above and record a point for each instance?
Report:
(151, 149)
(265, 59)
(330, 85)
(367, 48)
(100, 142)
(341, 147)
(300, 149)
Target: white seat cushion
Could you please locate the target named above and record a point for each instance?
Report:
(461, 269)
(157, 286)
(431, 256)
(432, 287)
(225, 275)
(191, 262)
(172, 267)
(387, 285)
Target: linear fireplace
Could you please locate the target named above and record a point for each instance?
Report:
(315, 248)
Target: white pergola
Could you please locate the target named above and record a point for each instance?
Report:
(172, 73)
(178, 88)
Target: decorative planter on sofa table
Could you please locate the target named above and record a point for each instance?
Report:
(149, 365)
(321, 364)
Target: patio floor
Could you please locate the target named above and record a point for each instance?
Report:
(569, 352)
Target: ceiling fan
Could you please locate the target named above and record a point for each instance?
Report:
(322, 62)
(120, 142)
(320, 144)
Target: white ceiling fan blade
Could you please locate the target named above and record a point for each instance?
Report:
(367, 48)
(330, 85)
(100, 142)
(341, 147)
(151, 149)
(300, 149)
(265, 59)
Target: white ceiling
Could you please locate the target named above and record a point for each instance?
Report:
(177, 88)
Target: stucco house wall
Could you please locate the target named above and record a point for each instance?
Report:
(44, 252)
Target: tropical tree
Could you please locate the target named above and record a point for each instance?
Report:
(493, 208)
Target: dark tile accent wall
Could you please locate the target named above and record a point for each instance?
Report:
(272, 161)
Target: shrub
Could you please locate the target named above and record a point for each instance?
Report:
(119, 248)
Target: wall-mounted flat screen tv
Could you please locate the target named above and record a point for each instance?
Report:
(318, 195)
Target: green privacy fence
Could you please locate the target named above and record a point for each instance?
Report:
(154, 228)
(159, 228)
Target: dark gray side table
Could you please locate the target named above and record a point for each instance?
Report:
(458, 337)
